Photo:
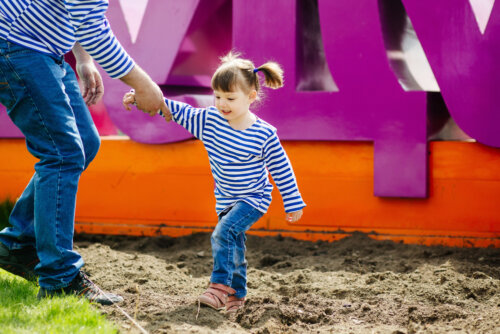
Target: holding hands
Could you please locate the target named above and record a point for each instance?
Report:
(146, 94)
(130, 98)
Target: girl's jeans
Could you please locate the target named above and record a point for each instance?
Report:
(43, 100)
(228, 246)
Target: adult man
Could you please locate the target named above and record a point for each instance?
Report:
(42, 97)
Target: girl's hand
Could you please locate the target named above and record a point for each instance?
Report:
(292, 217)
(128, 99)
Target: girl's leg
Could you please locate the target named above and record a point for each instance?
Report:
(225, 243)
(240, 271)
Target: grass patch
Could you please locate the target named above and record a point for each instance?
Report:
(22, 312)
(5, 210)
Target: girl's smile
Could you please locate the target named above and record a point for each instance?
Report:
(234, 107)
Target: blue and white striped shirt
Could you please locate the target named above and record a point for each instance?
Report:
(238, 159)
(53, 27)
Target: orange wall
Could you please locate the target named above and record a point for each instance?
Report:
(141, 189)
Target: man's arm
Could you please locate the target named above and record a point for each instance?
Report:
(94, 35)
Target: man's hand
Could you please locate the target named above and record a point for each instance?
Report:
(90, 79)
(149, 99)
(292, 217)
(91, 82)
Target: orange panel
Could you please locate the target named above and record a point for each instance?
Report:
(142, 189)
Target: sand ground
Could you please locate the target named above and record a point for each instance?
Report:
(355, 285)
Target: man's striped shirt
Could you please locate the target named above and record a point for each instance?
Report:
(53, 27)
(238, 159)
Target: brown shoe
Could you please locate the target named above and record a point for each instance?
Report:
(233, 304)
(216, 296)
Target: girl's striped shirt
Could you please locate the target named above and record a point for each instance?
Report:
(238, 159)
(53, 27)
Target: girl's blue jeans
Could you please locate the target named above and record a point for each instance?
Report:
(43, 100)
(228, 246)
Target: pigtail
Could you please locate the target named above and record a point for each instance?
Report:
(273, 74)
(237, 72)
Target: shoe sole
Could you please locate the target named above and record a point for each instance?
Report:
(207, 304)
(44, 293)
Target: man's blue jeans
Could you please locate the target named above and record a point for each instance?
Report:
(43, 100)
(228, 246)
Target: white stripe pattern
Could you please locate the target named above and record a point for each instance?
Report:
(240, 160)
(54, 26)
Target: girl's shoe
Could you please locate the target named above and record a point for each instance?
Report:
(216, 296)
(233, 304)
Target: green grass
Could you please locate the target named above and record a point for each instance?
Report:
(22, 312)
(5, 209)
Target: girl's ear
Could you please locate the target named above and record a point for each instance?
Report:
(253, 95)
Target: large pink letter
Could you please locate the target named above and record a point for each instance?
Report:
(369, 104)
(465, 62)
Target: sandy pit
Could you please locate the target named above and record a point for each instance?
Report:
(355, 285)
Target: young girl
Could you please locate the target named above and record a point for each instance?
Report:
(240, 146)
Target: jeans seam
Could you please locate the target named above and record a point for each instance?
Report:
(58, 202)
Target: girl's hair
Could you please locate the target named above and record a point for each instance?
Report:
(237, 72)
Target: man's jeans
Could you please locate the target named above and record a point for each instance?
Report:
(43, 100)
(228, 246)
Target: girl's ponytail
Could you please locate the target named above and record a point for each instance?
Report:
(273, 74)
(236, 72)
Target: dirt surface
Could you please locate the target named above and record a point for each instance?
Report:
(355, 285)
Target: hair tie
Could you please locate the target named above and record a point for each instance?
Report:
(255, 70)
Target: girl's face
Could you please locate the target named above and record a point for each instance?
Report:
(234, 105)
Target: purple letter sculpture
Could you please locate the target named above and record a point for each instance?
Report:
(465, 62)
(340, 81)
